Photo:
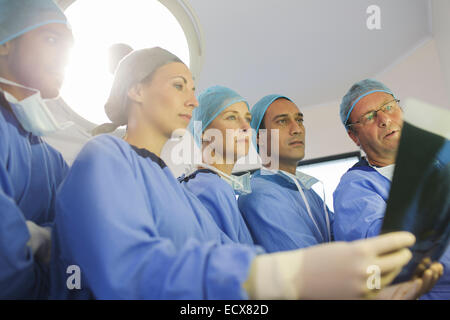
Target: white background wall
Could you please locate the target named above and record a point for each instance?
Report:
(423, 73)
(419, 74)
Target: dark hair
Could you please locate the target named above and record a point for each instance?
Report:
(262, 124)
(4, 102)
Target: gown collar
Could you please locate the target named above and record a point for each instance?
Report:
(186, 178)
(147, 154)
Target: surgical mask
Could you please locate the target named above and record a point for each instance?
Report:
(387, 171)
(240, 184)
(307, 181)
(32, 112)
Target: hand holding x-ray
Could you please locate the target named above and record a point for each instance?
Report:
(336, 270)
(413, 289)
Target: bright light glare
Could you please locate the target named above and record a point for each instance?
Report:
(330, 174)
(97, 25)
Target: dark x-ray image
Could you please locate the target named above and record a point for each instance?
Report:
(419, 199)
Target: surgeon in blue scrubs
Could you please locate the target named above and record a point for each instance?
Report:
(282, 211)
(34, 43)
(373, 119)
(125, 228)
(224, 134)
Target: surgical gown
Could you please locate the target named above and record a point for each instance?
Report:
(220, 200)
(30, 173)
(136, 233)
(277, 216)
(359, 204)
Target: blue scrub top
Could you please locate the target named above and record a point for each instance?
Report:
(359, 205)
(30, 173)
(220, 200)
(360, 202)
(277, 216)
(136, 233)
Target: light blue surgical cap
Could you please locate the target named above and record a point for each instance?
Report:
(20, 16)
(211, 103)
(259, 110)
(358, 91)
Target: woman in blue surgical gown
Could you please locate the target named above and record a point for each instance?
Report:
(120, 204)
(222, 120)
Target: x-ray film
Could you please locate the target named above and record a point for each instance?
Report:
(419, 199)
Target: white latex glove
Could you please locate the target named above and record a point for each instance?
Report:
(40, 241)
(337, 270)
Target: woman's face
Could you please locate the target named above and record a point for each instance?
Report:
(168, 99)
(236, 120)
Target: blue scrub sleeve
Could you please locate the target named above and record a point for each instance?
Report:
(358, 211)
(273, 221)
(108, 229)
(20, 276)
(222, 205)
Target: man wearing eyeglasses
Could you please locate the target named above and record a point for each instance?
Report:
(373, 119)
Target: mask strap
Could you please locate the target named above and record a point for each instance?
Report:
(307, 207)
(15, 84)
(307, 204)
(226, 176)
(327, 218)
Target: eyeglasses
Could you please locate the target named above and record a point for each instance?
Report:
(370, 117)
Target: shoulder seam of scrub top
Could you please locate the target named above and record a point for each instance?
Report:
(147, 154)
(193, 175)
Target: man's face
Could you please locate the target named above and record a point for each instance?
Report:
(284, 116)
(38, 58)
(378, 138)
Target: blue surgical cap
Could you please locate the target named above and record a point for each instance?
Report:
(358, 91)
(20, 16)
(259, 110)
(211, 103)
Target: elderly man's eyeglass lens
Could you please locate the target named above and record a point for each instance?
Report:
(369, 118)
